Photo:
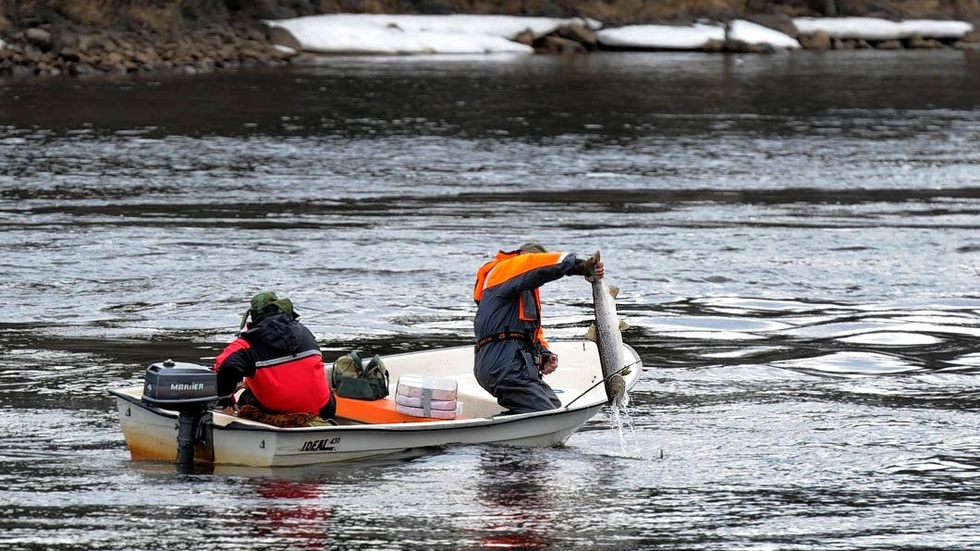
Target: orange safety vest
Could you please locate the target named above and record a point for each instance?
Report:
(507, 267)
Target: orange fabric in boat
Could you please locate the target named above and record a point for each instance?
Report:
(375, 411)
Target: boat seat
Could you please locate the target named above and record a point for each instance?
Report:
(373, 412)
(477, 403)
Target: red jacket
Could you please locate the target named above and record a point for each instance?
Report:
(281, 363)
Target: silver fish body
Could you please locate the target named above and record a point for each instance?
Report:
(609, 340)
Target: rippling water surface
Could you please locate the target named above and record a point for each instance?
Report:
(795, 237)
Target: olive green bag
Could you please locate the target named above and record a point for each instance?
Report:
(350, 378)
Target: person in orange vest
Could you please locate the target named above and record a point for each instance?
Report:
(280, 361)
(512, 355)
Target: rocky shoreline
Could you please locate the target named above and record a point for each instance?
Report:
(50, 42)
(52, 50)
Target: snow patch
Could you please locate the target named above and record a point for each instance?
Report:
(870, 28)
(661, 37)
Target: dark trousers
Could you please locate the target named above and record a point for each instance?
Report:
(512, 377)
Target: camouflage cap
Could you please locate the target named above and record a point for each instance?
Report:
(263, 302)
(532, 247)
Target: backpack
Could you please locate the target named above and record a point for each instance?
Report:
(350, 378)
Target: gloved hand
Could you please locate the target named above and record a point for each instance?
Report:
(550, 365)
(590, 263)
(594, 267)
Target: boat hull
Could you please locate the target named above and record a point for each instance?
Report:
(293, 447)
(151, 432)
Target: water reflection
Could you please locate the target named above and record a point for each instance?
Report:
(290, 511)
(514, 488)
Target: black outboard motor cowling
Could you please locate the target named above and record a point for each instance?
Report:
(190, 390)
(180, 386)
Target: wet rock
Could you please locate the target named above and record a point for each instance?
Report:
(88, 42)
(972, 36)
(20, 70)
(114, 59)
(69, 55)
(742, 47)
(282, 37)
(578, 33)
(146, 57)
(552, 44)
(965, 46)
(525, 37)
(919, 43)
(819, 40)
(889, 45)
(81, 69)
(737, 46)
(32, 54)
(714, 46)
(39, 38)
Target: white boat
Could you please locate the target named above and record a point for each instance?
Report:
(374, 428)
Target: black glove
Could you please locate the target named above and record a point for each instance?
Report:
(589, 264)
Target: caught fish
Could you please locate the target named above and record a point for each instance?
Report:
(606, 332)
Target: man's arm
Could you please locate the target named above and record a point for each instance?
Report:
(234, 364)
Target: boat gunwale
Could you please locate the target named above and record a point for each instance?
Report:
(237, 424)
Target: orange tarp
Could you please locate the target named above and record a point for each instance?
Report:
(375, 411)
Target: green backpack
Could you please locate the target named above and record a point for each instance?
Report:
(350, 378)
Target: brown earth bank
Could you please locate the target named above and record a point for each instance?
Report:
(79, 37)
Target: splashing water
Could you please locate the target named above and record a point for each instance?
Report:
(623, 421)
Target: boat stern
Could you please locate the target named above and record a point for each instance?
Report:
(151, 433)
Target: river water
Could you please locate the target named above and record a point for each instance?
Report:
(795, 237)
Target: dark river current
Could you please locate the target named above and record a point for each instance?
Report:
(795, 236)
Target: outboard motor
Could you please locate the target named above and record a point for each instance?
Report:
(190, 390)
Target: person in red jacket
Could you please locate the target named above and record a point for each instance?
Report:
(512, 355)
(280, 361)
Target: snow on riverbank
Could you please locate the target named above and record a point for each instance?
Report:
(416, 34)
(869, 28)
(469, 34)
(665, 37)
(753, 33)
(699, 36)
